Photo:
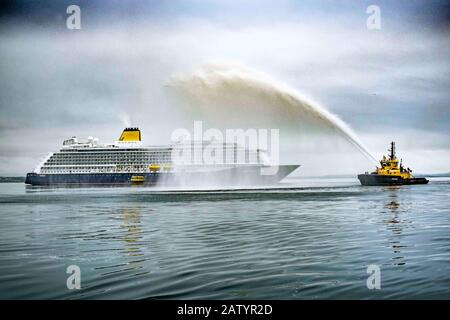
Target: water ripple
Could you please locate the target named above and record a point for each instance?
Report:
(284, 243)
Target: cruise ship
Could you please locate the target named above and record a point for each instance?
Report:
(128, 162)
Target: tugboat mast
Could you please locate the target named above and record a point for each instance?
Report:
(392, 150)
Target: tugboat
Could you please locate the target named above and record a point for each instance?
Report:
(391, 173)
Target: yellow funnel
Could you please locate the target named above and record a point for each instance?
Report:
(130, 135)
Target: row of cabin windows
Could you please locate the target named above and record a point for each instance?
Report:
(109, 158)
(56, 163)
(98, 170)
(126, 159)
(115, 157)
(105, 158)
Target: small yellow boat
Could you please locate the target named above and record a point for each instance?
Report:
(136, 179)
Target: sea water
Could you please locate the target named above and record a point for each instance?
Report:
(301, 239)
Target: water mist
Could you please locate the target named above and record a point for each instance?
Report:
(230, 95)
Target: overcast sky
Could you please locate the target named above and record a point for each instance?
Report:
(387, 84)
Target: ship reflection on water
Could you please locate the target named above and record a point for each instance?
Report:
(395, 224)
(130, 235)
(133, 231)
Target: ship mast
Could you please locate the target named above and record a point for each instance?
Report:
(392, 150)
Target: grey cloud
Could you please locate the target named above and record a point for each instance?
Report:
(56, 83)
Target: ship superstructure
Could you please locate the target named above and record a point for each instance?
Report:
(127, 161)
(126, 155)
